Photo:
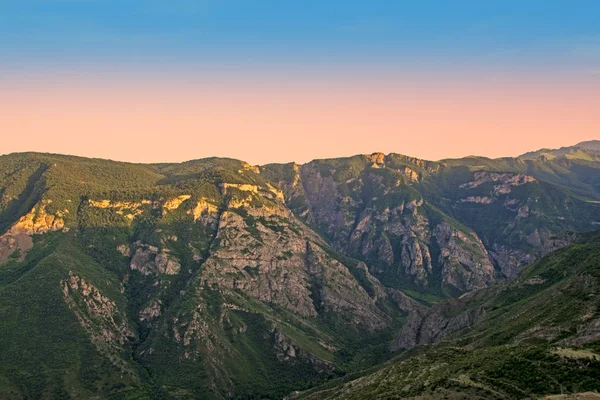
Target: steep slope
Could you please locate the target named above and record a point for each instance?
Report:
(265, 301)
(186, 280)
(516, 215)
(62, 335)
(372, 212)
(555, 299)
(446, 227)
(217, 279)
(536, 336)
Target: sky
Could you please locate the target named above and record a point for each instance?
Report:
(278, 81)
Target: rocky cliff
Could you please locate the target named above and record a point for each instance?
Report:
(214, 278)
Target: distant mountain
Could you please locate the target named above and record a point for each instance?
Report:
(593, 145)
(214, 278)
(589, 150)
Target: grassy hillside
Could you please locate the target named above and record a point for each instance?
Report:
(537, 336)
(171, 281)
(47, 351)
(217, 279)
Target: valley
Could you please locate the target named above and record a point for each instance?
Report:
(370, 276)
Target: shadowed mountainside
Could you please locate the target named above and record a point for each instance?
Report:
(536, 336)
(217, 279)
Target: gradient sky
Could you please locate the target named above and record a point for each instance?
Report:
(275, 81)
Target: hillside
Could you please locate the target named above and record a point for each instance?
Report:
(589, 150)
(179, 280)
(593, 145)
(217, 279)
(537, 336)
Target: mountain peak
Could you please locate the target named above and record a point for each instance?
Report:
(584, 150)
(593, 145)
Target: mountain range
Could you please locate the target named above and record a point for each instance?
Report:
(370, 276)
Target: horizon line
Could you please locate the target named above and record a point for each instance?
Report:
(287, 162)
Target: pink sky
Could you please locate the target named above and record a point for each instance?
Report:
(265, 119)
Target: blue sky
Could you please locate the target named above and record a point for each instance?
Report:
(432, 79)
(405, 33)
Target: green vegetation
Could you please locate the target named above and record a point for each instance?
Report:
(45, 349)
(524, 347)
(499, 372)
(186, 333)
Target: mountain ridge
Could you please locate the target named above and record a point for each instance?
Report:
(592, 145)
(214, 278)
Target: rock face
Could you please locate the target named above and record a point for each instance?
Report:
(510, 260)
(464, 260)
(396, 213)
(253, 277)
(555, 301)
(263, 270)
(376, 216)
(99, 316)
(15, 246)
(17, 241)
(265, 253)
(204, 209)
(502, 183)
(152, 311)
(174, 203)
(516, 223)
(38, 221)
(120, 207)
(152, 260)
(422, 329)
